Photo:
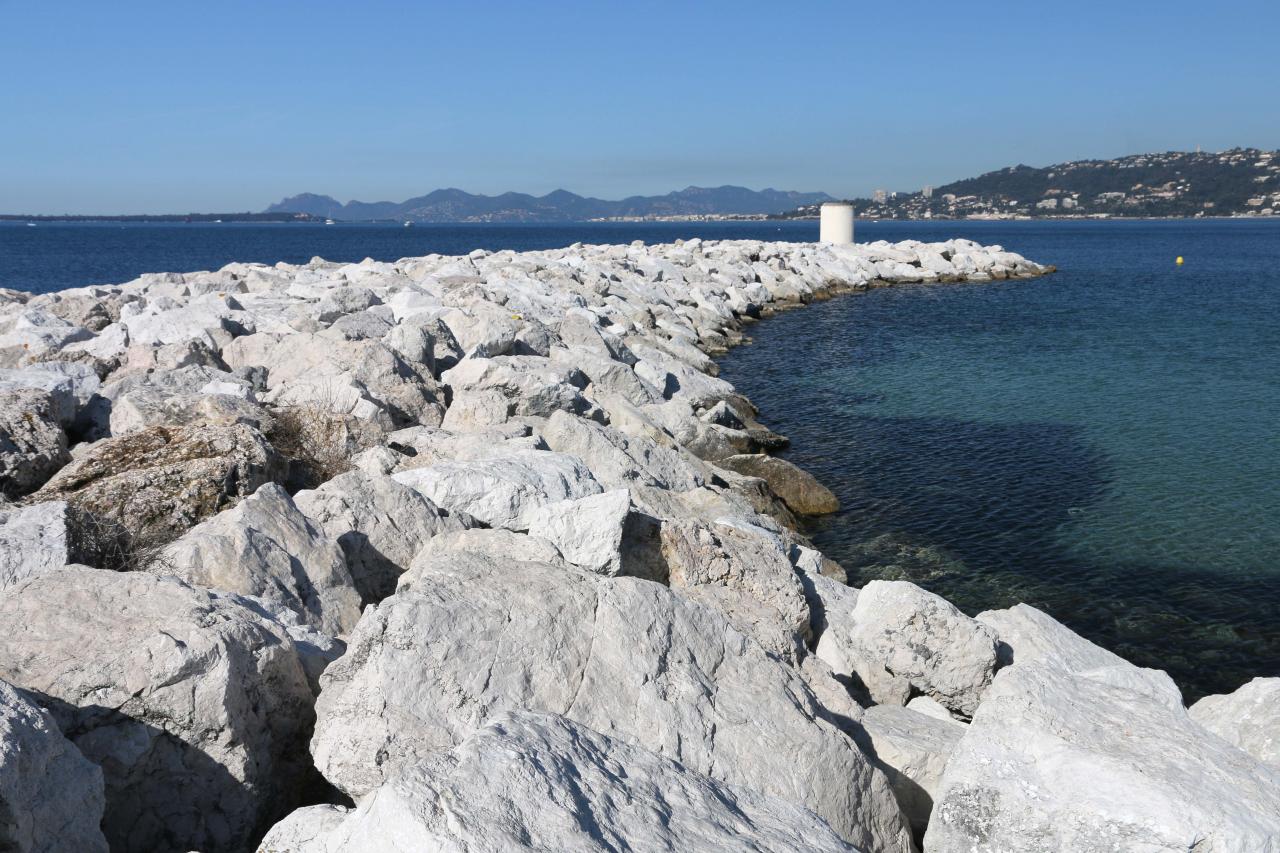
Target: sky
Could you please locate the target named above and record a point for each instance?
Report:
(182, 106)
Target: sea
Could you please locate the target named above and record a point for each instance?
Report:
(1102, 443)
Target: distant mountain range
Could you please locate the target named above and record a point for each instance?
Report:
(453, 205)
(1238, 182)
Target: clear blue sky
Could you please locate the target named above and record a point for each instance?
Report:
(182, 106)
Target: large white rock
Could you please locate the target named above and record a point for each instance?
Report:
(531, 781)
(620, 460)
(32, 444)
(308, 368)
(266, 547)
(535, 385)
(380, 525)
(1028, 634)
(70, 386)
(903, 638)
(36, 331)
(194, 704)
(1248, 718)
(912, 749)
(493, 543)
(50, 795)
(504, 489)
(605, 374)
(473, 410)
(473, 637)
(587, 531)
(40, 538)
(743, 572)
(164, 480)
(1054, 760)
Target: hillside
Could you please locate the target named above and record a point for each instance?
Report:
(454, 205)
(1239, 182)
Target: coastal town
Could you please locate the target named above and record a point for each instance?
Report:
(1238, 182)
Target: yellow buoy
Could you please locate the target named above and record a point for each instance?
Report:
(1179, 260)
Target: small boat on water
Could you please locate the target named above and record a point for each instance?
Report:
(329, 222)
(408, 224)
(31, 225)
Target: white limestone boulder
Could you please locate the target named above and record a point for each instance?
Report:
(379, 523)
(194, 704)
(537, 781)
(534, 385)
(912, 749)
(341, 301)
(334, 370)
(620, 460)
(605, 374)
(709, 441)
(473, 637)
(587, 531)
(1055, 760)
(492, 543)
(36, 331)
(42, 537)
(1027, 634)
(144, 407)
(70, 386)
(1248, 718)
(903, 640)
(674, 378)
(484, 333)
(164, 480)
(472, 410)
(50, 795)
(266, 547)
(743, 572)
(505, 488)
(797, 488)
(33, 445)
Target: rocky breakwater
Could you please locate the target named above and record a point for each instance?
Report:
(477, 553)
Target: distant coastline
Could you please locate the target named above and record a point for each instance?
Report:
(161, 217)
(306, 219)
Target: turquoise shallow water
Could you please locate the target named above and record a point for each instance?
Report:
(1103, 443)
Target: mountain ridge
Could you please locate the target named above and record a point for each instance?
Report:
(451, 204)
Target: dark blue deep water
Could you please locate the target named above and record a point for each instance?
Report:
(1103, 443)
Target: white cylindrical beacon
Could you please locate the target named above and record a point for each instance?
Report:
(836, 225)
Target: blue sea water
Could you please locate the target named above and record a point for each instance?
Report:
(1103, 443)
